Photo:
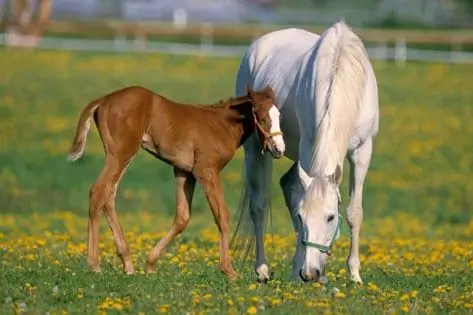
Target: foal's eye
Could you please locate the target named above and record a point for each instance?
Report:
(330, 218)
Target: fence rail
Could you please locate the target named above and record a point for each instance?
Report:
(208, 32)
(400, 53)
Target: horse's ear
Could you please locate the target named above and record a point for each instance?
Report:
(336, 177)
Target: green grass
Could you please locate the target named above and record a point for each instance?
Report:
(417, 249)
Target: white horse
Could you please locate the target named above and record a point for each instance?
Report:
(327, 94)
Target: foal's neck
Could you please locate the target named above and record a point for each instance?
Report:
(239, 121)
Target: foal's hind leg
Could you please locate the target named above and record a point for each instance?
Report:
(185, 186)
(102, 197)
(359, 163)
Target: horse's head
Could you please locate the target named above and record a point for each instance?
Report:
(319, 213)
(267, 120)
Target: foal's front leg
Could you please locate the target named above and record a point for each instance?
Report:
(359, 163)
(185, 186)
(212, 187)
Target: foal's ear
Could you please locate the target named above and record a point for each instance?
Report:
(248, 89)
(336, 177)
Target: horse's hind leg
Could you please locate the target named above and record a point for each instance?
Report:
(185, 186)
(258, 175)
(359, 163)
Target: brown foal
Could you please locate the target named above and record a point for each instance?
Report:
(198, 141)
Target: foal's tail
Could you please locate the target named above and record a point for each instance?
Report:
(82, 129)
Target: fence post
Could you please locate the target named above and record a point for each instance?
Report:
(206, 39)
(400, 51)
(141, 42)
(456, 54)
(119, 41)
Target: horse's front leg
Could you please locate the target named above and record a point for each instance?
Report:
(292, 190)
(258, 182)
(359, 163)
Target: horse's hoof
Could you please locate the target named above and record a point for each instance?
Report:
(263, 273)
(356, 279)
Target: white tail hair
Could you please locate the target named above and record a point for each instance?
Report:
(340, 84)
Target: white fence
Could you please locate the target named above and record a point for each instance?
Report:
(400, 53)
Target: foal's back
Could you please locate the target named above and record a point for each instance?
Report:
(173, 132)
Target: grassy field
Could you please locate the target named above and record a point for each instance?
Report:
(417, 247)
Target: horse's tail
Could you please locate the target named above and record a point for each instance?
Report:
(243, 241)
(340, 85)
(82, 129)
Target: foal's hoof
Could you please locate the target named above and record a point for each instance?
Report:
(95, 269)
(150, 268)
(232, 276)
(229, 273)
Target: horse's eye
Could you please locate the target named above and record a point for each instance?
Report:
(330, 218)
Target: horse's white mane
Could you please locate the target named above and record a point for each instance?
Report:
(340, 82)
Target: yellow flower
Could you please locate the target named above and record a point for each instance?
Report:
(340, 295)
(252, 310)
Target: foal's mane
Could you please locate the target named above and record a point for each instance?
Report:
(232, 101)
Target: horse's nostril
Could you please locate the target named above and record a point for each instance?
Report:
(313, 274)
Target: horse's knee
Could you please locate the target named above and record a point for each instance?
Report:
(354, 214)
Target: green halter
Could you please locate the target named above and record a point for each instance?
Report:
(324, 248)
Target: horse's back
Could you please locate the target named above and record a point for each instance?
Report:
(272, 59)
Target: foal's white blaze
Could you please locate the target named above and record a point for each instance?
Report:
(275, 127)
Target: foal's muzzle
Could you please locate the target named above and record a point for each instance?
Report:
(273, 149)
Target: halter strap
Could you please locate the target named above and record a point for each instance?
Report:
(324, 248)
(327, 249)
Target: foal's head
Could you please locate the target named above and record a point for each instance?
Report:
(266, 120)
